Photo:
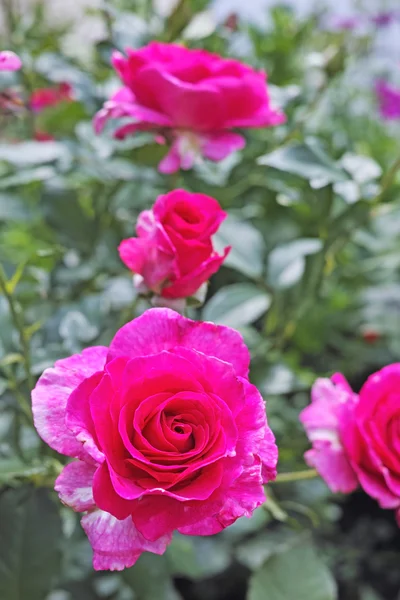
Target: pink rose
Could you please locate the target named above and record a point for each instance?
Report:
(384, 18)
(370, 432)
(388, 99)
(346, 23)
(173, 253)
(190, 98)
(167, 430)
(45, 97)
(9, 61)
(322, 421)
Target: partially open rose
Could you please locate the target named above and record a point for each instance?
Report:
(356, 437)
(173, 254)
(167, 430)
(191, 99)
(371, 436)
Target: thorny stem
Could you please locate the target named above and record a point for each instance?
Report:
(19, 324)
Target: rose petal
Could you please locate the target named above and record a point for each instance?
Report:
(9, 61)
(218, 146)
(246, 493)
(188, 285)
(49, 398)
(255, 436)
(188, 213)
(188, 106)
(74, 486)
(117, 544)
(107, 498)
(388, 99)
(155, 516)
(171, 162)
(163, 329)
(79, 419)
(333, 466)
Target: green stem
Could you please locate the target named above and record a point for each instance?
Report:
(19, 324)
(22, 401)
(388, 179)
(9, 21)
(296, 476)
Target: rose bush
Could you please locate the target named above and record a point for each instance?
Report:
(173, 254)
(310, 283)
(191, 99)
(168, 432)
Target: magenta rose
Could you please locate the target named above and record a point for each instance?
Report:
(173, 254)
(167, 432)
(388, 100)
(191, 99)
(322, 421)
(370, 432)
(9, 61)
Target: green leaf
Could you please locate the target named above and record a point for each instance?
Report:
(286, 263)
(253, 552)
(306, 160)
(296, 574)
(29, 154)
(27, 176)
(13, 468)
(178, 20)
(197, 558)
(248, 248)
(12, 208)
(236, 305)
(150, 580)
(61, 119)
(279, 379)
(361, 168)
(369, 594)
(30, 534)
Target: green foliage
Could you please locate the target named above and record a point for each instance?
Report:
(237, 305)
(294, 573)
(30, 533)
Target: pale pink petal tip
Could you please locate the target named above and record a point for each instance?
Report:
(322, 419)
(74, 486)
(117, 544)
(9, 61)
(51, 393)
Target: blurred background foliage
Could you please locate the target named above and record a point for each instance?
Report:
(312, 282)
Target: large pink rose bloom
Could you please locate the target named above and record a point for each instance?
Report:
(371, 436)
(167, 432)
(331, 399)
(9, 61)
(191, 99)
(173, 254)
(388, 99)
